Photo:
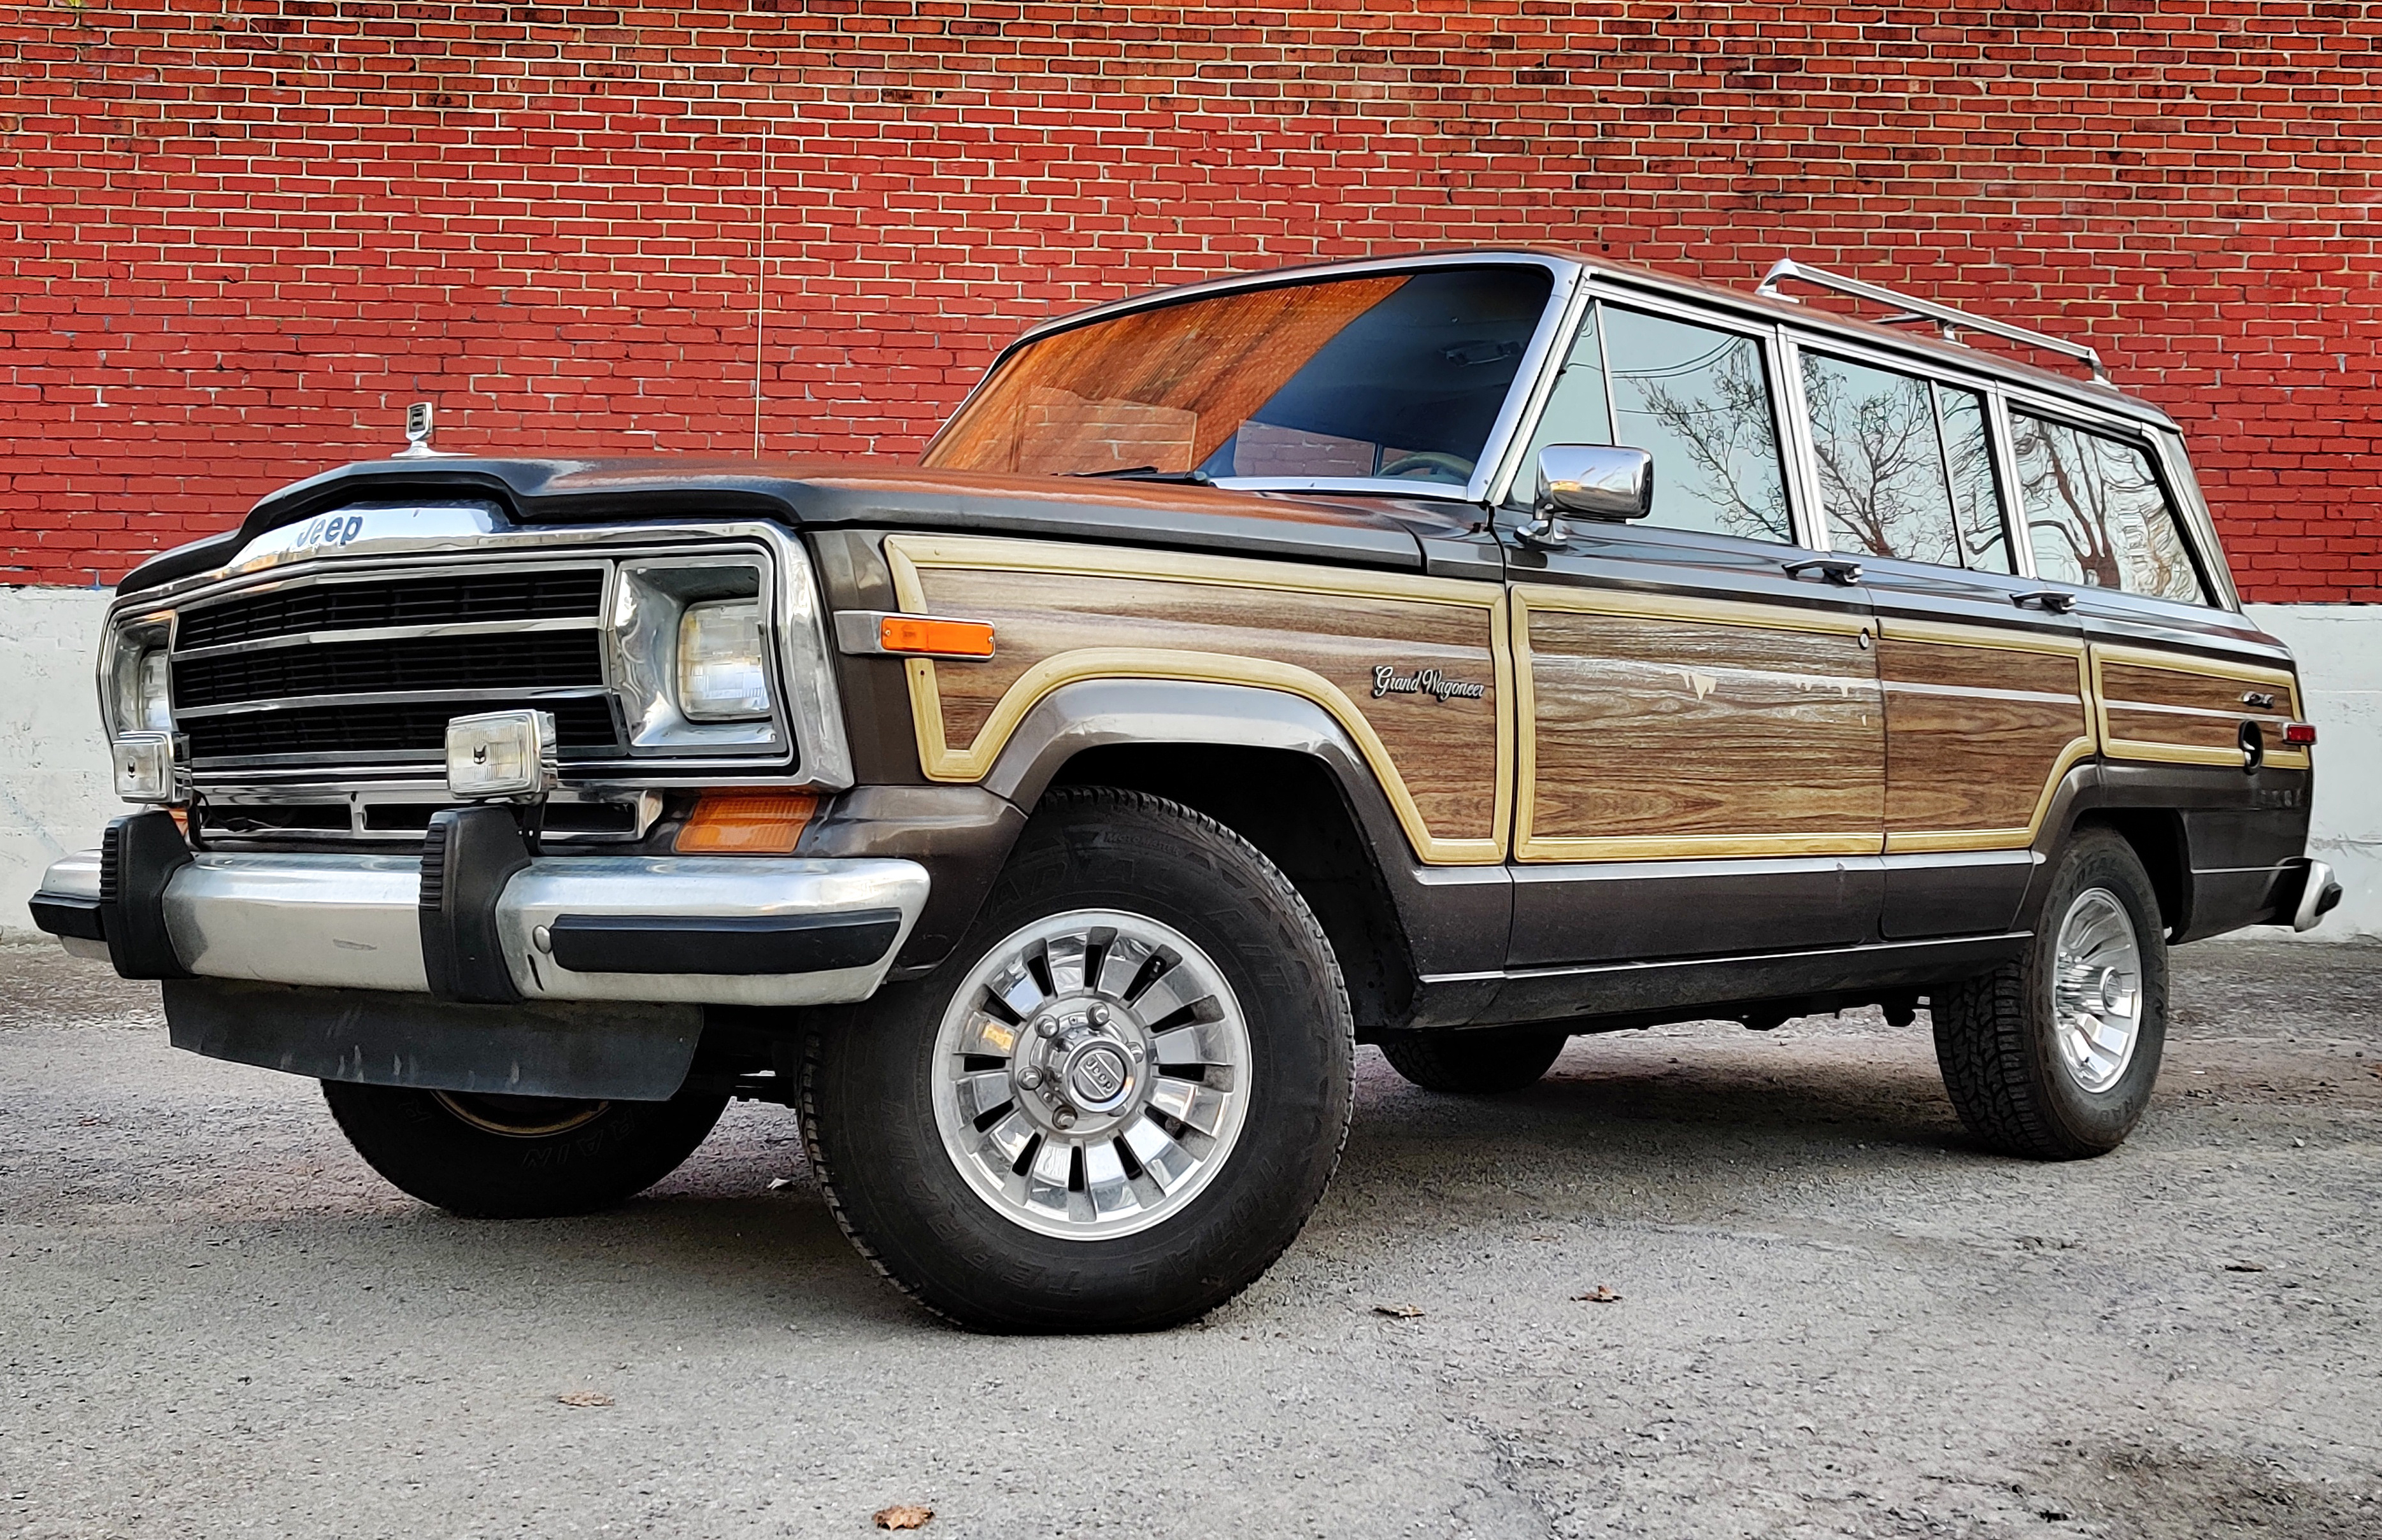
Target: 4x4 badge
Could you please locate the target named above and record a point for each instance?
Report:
(1387, 681)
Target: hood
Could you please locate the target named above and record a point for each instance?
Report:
(1355, 531)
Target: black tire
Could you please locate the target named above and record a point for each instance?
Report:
(868, 1113)
(1996, 1035)
(1475, 1063)
(448, 1150)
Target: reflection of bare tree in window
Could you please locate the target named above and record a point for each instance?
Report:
(1978, 508)
(2095, 509)
(2067, 515)
(1881, 467)
(1727, 431)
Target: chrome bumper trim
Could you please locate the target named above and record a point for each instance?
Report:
(353, 921)
(76, 876)
(702, 887)
(2319, 894)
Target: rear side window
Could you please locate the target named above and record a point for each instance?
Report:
(2097, 513)
(1905, 468)
(1698, 400)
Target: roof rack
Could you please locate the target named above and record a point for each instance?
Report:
(1949, 322)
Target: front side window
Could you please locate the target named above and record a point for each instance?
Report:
(1698, 400)
(1399, 376)
(2097, 513)
(1905, 467)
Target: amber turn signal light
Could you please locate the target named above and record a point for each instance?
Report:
(2300, 734)
(746, 823)
(925, 633)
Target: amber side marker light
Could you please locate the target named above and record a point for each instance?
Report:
(746, 823)
(924, 633)
(2300, 734)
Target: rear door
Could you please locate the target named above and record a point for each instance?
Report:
(1982, 672)
(1702, 754)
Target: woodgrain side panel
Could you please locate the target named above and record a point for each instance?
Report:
(1978, 734)
(1444, 756)
(1678, 735)
(2178, 709)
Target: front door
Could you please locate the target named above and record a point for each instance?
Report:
(1701, 750)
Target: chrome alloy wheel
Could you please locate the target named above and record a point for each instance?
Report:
(2096, 990)
(1092, 1073)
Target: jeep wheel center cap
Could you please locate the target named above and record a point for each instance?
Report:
(1096, 1077)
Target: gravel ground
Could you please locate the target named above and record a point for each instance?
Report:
(1836, 1316)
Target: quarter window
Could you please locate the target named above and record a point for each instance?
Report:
(1698, 400)
(1905, 467)
(2096, 513)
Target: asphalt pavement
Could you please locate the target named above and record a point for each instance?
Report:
(1834, 1315)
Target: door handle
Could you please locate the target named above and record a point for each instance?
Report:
(2054, 601)
(1829, 567)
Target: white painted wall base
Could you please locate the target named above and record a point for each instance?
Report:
(2339, 652)
(54, 791)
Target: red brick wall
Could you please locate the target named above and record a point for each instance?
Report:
(240, 235)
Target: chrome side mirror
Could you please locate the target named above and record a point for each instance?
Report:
(1595, 481)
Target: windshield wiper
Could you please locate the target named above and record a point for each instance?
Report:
(1149, 473)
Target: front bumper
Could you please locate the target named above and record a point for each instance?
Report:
(721, 931)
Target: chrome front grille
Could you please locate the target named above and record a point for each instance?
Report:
(310, 682)
(446, 599)
(341, 669)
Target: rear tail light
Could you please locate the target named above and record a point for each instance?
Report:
(2300, 734)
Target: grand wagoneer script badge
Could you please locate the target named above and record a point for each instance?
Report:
(1387, 681)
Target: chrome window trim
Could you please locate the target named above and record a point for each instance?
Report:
(2005, 463)
(2199, 519)
(1919, 366)
(810, 710)
(1776, 356)
(1578, 303)
(1495, 450)
(2206, 553)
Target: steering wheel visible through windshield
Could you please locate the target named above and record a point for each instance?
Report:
(1395, 376)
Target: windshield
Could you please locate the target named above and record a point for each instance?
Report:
(1397, 375)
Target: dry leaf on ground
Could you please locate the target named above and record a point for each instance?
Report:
(1401, 1312)
(779, 1184)
(584, 1397)
(1600, 1295)
(904, 1515)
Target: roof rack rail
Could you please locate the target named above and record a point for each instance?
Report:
(1949, 322)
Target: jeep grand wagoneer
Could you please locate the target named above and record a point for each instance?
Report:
(1452, 653)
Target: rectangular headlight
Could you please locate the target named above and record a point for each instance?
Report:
(722, 673)
(143, 698)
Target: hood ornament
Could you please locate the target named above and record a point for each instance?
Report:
(421, 419)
